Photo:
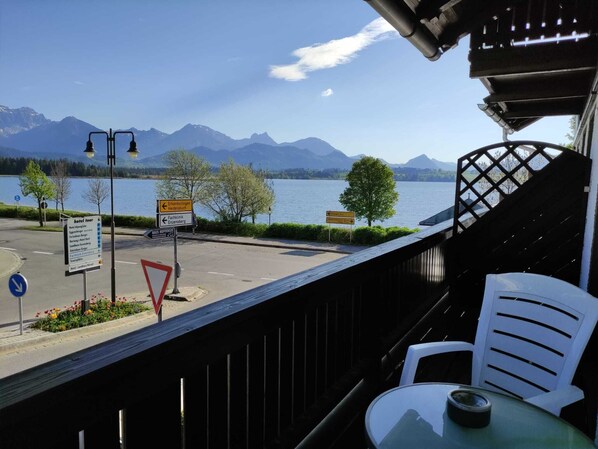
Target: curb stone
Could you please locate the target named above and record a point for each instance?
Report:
(33, 337)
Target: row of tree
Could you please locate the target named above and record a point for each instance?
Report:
(35, 183)
(423, 175)
(235, 193)
(16, 166)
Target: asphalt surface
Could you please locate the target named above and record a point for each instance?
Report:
(35, 347)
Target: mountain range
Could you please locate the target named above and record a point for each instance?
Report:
(27, 133)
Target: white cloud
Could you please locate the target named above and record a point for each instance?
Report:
(79, 83)
(327, 93)
(332, 53)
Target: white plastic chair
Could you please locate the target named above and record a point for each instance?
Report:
(531, 334)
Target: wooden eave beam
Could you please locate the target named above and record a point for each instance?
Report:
(519, 124)
(546, 91)
(539, 58)
(545, 110)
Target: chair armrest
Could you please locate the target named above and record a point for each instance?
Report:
(554, 400)
(416, 352)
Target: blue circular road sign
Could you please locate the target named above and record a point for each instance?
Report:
(17, 198)
(17, 284)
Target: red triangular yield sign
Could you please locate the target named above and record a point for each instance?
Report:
(157, 277)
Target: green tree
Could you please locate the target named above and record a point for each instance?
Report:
(571, 134)
(33, 181)
(371, 192)
(187, 176)
(237, 192)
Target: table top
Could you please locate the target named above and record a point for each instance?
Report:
(414, 416)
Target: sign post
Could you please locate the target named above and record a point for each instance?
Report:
(169, 215)
(44, 206)
(17, 199)
(177, 266)
(17, 284)
(160, 233)
(83, 249)
(157, 277)
(340, 217)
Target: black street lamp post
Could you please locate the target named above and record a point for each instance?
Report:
(111, 158)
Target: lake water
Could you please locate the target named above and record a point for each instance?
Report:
(297, 200)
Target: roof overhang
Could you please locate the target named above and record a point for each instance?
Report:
(534, 60)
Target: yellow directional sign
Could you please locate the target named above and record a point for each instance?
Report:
(168, 206)
(340, 217)
(340, 213)
(340, 220)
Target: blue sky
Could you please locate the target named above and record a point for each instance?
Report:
(325, 68)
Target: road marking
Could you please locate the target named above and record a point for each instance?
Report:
(124, 261)
(220, 274)
(268, 279)
(43, 252)
(9, 249)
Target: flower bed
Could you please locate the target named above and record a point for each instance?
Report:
(100, 310)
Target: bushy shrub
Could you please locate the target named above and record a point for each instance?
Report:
(294, 231)
(369, 235)
(231, 228)
(130, 221)
(31, 213)
(337, 235)
(395, 232)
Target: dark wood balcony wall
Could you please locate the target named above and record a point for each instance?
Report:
(536, 222)
(260, 369)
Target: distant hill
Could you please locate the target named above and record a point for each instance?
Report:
(266, 157)
(423, 162)
(67, 136)
(313, 144)
(256, 138)
(30, 134)
(11, 152)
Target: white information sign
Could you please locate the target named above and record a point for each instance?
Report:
(84, 243)
(170, 220)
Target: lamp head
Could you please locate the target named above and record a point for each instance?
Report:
(132, 151)
(89, 151)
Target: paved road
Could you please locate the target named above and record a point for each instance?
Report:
(220, 269)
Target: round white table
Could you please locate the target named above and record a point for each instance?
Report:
(414, 416)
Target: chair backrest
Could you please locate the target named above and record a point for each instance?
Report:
(532, 332)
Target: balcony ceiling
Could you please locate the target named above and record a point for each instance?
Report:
(536, 58)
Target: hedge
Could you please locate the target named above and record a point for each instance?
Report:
(316, 233)
(31, 213)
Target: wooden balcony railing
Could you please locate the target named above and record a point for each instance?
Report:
(293, 362)
(537, 21)
(488, 175)
(534, 197)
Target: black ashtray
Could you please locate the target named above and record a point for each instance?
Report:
(468, 408)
